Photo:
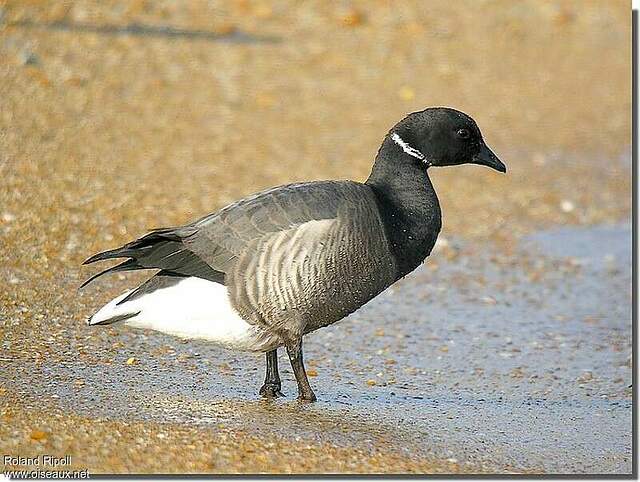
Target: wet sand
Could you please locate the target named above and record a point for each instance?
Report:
(508, 351)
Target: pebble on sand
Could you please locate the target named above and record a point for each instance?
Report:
(38, 435)
(406, 93)
(567, 206)
(352, 18)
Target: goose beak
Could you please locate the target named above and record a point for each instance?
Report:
(486, 157)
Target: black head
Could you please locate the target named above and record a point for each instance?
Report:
(440, 136)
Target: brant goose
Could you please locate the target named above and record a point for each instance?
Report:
(266, 270)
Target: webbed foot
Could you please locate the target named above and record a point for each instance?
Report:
(271, 390)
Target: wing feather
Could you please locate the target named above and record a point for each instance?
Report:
(211, 246)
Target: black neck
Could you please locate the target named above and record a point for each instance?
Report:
(408, 205)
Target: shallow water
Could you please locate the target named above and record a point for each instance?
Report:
(514, 360)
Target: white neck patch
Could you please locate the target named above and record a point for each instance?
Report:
(408, 149)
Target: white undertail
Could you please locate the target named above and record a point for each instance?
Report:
(192, 308)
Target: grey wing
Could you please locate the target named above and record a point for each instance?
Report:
(223, 236)
(314, 273)
(209, 247)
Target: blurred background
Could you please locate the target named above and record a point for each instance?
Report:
(121, 116)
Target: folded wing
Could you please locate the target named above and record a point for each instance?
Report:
(209, 247)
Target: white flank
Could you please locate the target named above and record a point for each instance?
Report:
(408, 149)
(193, 308)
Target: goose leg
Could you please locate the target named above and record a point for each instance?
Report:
(295, 357)
(272, 385)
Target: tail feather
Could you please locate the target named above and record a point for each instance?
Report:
(137, 248)
(113, 319)
(111, 313)
(160, 249)
(111, 254)
(128, 265)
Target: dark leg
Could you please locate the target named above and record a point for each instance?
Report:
(295, 357)
(272, 385)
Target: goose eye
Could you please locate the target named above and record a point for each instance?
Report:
(464, 133)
